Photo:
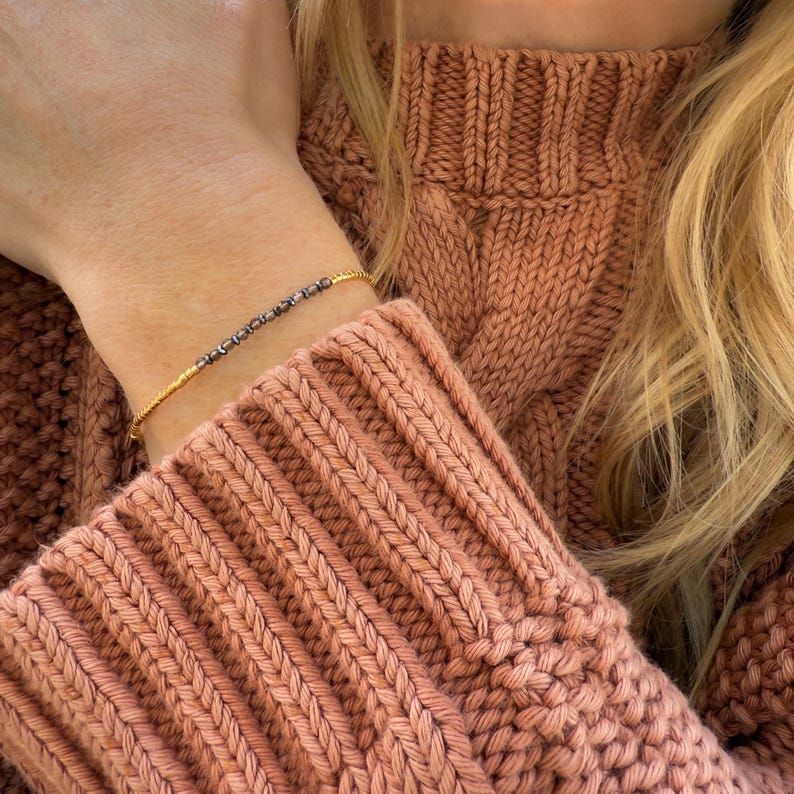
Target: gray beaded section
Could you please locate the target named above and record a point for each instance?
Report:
(263, 318)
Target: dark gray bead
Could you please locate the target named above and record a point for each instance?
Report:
(248, 328)
(263, 319)
(235, 339)
(305, 292)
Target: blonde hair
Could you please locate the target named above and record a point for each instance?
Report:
(697, 391)
(333, 35)
(698, 440)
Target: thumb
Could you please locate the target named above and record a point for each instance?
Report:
(273, 92)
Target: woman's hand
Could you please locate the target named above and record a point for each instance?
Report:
(148, 166)
(104, 106)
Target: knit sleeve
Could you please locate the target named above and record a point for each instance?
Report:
(748, 699)
(341, 583)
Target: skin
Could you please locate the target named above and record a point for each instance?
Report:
(162, 190)
(572, 25)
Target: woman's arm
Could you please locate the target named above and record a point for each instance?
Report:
(256, 231)
(149, 168)
(341, 583)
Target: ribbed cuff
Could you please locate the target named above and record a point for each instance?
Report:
(338, 584)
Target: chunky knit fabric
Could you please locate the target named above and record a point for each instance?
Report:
(359, 577)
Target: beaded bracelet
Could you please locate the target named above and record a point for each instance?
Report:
(227, 345)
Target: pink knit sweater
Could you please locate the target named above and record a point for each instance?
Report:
(361, 577)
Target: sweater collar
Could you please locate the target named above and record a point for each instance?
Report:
(495, 122)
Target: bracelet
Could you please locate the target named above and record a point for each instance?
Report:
(227, 345)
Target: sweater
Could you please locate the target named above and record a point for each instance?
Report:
(362, 575)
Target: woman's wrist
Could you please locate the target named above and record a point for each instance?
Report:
(223, 382)
(190, 265)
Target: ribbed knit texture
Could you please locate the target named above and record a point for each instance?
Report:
(358, 577)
